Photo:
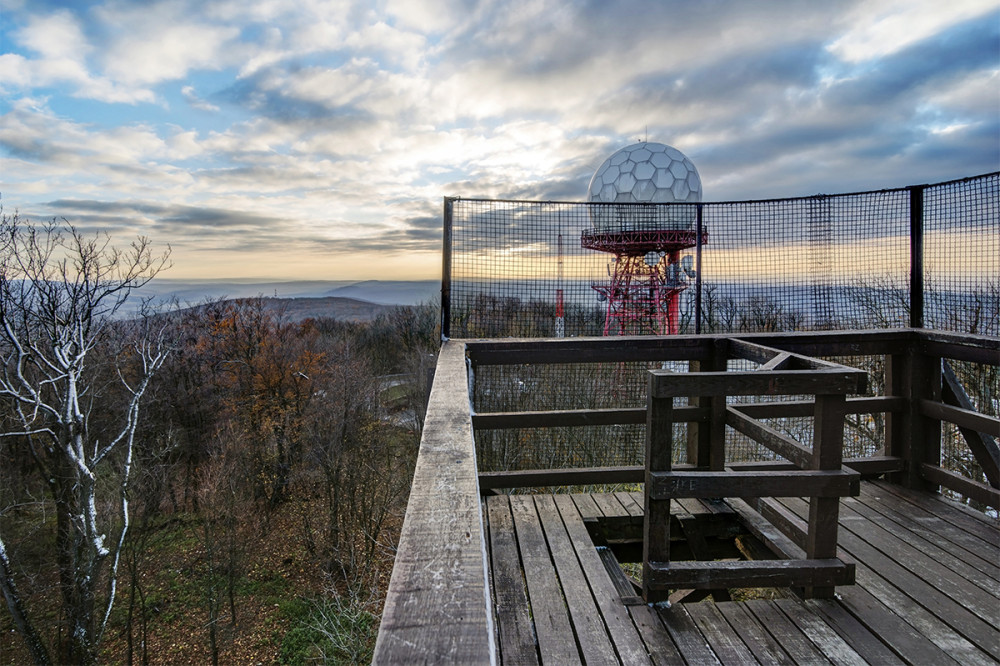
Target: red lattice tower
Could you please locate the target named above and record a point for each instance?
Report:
(643, 296)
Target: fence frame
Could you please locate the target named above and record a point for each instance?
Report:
(917, 273)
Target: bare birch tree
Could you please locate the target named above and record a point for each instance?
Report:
(59, 293)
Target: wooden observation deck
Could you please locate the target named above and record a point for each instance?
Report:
(864, 560)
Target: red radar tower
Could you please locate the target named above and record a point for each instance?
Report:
(647, 279)
(645, 206)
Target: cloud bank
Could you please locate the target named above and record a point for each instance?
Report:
(315, 139)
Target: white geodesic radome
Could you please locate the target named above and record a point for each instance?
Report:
(645, 172)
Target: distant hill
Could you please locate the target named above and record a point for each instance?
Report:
(391, 292)
(382, 292)
(330, 307)
(333, 307)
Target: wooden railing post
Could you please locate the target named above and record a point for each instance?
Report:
(656, 521)
(706, 441)
(894, 422)
(828, 443)
(919, 436)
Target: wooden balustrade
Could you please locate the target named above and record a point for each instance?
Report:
(438, 606)
(818, 472)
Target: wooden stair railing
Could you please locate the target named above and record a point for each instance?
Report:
(818, 474)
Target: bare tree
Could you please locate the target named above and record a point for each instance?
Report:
(59, 293)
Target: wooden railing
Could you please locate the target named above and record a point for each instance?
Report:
(921, 392)
(438, 607)
(817, 474)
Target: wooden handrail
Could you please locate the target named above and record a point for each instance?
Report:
(979, 492)
(438, 608)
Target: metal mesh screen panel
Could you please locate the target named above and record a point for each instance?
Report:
(518, 269)
(806, 264)
(962, 256)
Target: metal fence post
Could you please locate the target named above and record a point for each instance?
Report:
(446, 270)
(697, 271)
(916, 256)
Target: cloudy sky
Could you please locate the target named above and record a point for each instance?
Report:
(285, 139)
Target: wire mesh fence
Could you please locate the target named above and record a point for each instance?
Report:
(861, 260)
(924, 255)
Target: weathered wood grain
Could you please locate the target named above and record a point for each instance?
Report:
(783, 445)
(438, 606)
(819, 483)
(790, 637)
(591, 634)
(775, 382)
(626, 639)
(962, 484)
(517, 636)
(541, 478)
(553, 627)
(725, 642)
(697, 575)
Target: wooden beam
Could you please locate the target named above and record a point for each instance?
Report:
(768, 534)
(874, 465)
(959, 346)
(751, 351)
(784, 408)
(979, 492)
(540, 478)
(776, 382)
(776, 359)
(787, 522)
(964, 418)
(656, 510)
(836, 343)
(438, 607)
(780, 362)
(980, 436)
(866, 467)
(589, 350)
(577, 417)
(755, 573)
(831, 483)
(783, 445)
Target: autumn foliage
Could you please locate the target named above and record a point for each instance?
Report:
(254, 426)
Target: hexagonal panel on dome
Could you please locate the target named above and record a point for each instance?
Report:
(644, 170)
(663, 178)
(624, 197)
(608, 192)
(694, 181)
(611, 175)
(625, 182)
(655, 147)
(644, 190)
(640, 155)
(675, 154)
(660, 160)
(681, 190)
(679, 169)
(618, 158)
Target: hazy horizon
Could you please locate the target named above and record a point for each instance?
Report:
(316, 140)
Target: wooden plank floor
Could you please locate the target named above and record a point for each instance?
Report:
(927, 592)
